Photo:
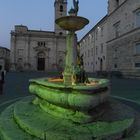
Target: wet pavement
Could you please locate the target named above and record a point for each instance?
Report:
(17, 83)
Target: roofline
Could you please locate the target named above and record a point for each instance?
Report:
(117, 8)
(5, 48)
(94, 27)
(40, 31)
(28, 30)
(32, 31)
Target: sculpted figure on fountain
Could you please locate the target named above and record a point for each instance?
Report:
(74, 11)
(76, 7)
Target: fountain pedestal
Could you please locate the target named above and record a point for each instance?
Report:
(71, 24)
(71, 56)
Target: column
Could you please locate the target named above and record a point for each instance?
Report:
(71, 55)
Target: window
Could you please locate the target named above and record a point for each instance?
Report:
(20, 60)
(115, 66)
(85, 54)
(90, 37)
(96, 34)
(96, 50)
(61, 8)
(138, 18)
(1, 52)
(137, 65)
(117, 29)
(102, 30)
(137, 49)
(38, 43)
(88, 53)
(92, 52)
(102, 48)
(20, 52)
(41, 43)
(117, 3)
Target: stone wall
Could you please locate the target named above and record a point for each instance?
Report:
(121, 54)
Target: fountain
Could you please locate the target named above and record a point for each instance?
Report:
(74, 107)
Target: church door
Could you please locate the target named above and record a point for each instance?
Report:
(41, 62)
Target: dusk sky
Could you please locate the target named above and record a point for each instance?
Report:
(39, 15)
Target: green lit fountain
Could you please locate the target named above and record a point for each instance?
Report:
(73, 96)
(72, 108)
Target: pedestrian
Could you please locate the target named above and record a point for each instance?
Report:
(1, 79)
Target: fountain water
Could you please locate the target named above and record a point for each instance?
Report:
(73, 108)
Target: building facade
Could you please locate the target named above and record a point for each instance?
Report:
(33, 50)
(114, 42)
(123, 42)
(4, 58)
(93, 47)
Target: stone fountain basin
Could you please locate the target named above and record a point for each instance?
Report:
(72, 23)
(78, 97)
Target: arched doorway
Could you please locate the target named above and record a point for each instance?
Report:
(41, 61)
(101, 64)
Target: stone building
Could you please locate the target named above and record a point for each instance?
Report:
(93, 47)
(118, 47)
(113, 44)
(4, 58)
(123, 44)
(35, 50)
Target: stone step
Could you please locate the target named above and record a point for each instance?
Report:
(9, 130)
(35, 121)
(32, 119)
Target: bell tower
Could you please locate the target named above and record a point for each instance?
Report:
(60, 7)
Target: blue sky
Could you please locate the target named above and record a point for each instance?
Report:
(39, 14)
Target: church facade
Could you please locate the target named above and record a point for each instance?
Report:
(34, 50)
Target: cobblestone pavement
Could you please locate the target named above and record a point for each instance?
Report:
(16, 85)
